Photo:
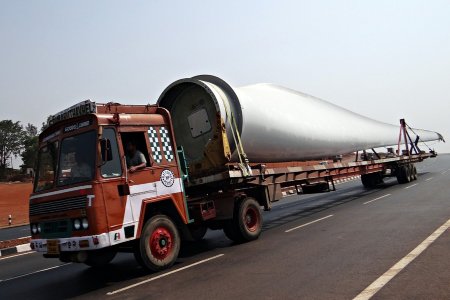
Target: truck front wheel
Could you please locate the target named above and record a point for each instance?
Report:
(159, 244)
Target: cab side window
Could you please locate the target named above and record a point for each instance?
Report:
(135, 148)
(111, 168)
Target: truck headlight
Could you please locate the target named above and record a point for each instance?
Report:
(76, 224)
(38, 227)
(34, 229)
(85, 223)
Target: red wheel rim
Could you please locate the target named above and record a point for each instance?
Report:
(161, 243)
(251, 219)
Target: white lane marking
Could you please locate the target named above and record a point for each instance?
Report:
(373, 288)
(387, 195)
(410, 186)
(12, 256)
(309, 223)
(444, 172)
(163, 275)
(428, 179)
(35, 272)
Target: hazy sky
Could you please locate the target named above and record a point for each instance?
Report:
(383, 59)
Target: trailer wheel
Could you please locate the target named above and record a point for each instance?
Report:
(159, 244)
(246, 224)
(408, 173)
(403, 174)
(371, 180)
(414, 171)
(368, 181)
(399, 175)
(100, 258)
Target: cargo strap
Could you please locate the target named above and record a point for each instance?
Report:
(243, 160)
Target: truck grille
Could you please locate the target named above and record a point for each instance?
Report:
(56, 229)
(57, 206)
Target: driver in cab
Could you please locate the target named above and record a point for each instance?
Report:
(134, 158)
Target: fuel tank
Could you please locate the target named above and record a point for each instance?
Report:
(214, 121)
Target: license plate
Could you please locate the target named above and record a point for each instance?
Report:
(52, 247)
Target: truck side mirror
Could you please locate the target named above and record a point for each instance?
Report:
(105, 148)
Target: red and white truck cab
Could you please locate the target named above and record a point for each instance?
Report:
(86, 205)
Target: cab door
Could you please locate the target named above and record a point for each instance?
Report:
(142, 182)
(112, 178)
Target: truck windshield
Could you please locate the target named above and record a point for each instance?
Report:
(77, 158)
(46, 169)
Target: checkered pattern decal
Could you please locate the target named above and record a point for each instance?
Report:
(166, 145)
(154, 145)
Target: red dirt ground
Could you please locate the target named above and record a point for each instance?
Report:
(14, 199)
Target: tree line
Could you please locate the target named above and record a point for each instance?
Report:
(17, 140)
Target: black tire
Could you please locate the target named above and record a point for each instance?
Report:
(399, 175)
(246, 224)
(198, 232)
(411, 172)
(159, 244)
(371, 180)
(403, 175)
(230, 231)
(100, 258)
(368, 181)
(414, 172)
(407, 173)
(379, 178)
(137, 253)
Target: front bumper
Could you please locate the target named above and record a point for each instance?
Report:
(73, 243)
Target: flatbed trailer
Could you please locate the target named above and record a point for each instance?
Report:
(89, 218)
(266, 184)
(279, 177)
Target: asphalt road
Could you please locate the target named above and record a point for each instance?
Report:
(14, 232)
(327, 246)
